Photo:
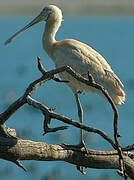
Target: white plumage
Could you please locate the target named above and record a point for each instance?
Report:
(84, 59)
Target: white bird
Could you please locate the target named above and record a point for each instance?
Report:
(81, 57)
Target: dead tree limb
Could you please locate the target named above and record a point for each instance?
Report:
(9, 144)
(17, 149)
(26, 98)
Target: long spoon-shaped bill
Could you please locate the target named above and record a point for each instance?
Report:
(35, 21)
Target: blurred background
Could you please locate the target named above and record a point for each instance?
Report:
(107, 26)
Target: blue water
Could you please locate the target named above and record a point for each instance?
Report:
(113, 38)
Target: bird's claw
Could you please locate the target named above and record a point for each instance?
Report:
(77, 146)
(81, 169)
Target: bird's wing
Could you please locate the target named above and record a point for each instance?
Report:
(113, 75)
(83, 58)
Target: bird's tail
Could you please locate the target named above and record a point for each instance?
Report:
(115, 91)
(119, 98)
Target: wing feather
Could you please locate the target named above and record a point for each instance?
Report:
(83, 59)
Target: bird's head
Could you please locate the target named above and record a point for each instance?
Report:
(49, 13)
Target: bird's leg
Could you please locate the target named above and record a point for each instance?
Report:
(80, 115)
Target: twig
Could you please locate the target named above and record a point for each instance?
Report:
(40, 66)
(12, 109)
(48, 130)
(128, 148)
(18, 163)
(115, 124)
(116, 133)
(51, 114)
(43, 71)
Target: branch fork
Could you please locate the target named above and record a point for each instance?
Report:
(49, 114)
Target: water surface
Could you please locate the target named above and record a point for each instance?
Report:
(113, 38)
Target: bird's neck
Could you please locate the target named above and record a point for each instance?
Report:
(49, 34)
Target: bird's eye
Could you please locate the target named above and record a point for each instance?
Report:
(46, 13)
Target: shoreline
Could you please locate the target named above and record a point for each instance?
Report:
(88, 7)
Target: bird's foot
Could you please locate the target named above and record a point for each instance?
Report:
(82, 145)
(79, 92)
(79, 146)
(81, 169)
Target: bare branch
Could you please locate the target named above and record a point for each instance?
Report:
(94, 159)
(18, 163)
(40, 66)
(26, 98)
(12, 109)
(14, 149)
(121, 172)
(43, 71)
(67, 120)
(129, 148)
(92, 83)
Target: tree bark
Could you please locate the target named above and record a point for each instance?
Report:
(14, 149)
